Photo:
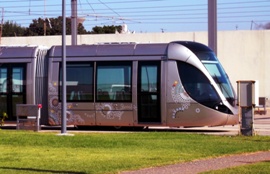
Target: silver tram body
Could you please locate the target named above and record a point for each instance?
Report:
(23, 72)
(129, 84)
(140, 85)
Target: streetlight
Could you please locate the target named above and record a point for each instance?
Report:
(64, 103)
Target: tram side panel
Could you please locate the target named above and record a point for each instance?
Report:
(78, 112)
(18, 77)
(179, 112)
(41, 84)
(93, 98)
(54, 114)
(113, 92)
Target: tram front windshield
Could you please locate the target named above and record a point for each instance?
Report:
(213, 66)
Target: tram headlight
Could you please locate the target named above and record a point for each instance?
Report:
(222, 108)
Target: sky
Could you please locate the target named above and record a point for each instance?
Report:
(144, 16)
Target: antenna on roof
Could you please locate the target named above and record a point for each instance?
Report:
(162, 30)
(29, 7)
(44, 23)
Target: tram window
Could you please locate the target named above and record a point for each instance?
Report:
(197, 85)
(17, 81)
(79, 81)
(3, 79)
(221, 78)
(207, 55)
(149, 78)
(114, 81)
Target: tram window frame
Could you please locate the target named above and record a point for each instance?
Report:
(117, 90)
(77, 94)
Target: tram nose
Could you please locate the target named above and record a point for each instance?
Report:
(233, 119)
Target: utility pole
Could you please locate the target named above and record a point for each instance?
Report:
(212, 25)
(2, 23)
(64, 92)
(74, 23)
(44, 23)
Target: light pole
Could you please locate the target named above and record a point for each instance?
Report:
(74, 22)
(2, 23)
(64, 103)
(212, 25)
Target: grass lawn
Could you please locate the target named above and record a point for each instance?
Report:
(32, 152)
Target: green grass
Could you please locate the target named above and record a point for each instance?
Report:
(258, 168)
(32, 152)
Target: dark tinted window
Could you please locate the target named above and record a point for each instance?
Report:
(197, 85)
(114, 81)
(206, 56)
(79, 81)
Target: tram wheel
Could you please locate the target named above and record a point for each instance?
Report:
(117, 127)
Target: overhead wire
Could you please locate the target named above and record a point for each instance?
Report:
(141, 12)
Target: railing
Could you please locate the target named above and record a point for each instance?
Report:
(261, 108)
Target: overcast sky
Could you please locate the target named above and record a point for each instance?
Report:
(144, 15)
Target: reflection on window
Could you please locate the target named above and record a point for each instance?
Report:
(206, 56)
(213, 66)
(17, 79)
(149, 78)
(114, 81)
(3, 79)
(197, 85)
(79, 81)
(218, 74)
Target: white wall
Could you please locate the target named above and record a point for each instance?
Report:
(245, 55)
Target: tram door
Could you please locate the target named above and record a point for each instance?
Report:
(149, 92)
(12, 89)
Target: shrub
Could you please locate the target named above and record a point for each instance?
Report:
(3, 116)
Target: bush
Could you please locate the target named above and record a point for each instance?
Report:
(2, 118)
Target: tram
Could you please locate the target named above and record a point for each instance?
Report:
(179, 83)
(22, 72)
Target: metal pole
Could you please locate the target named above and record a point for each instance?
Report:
(212, 25)
(38, 116)
(2, 24)
(74, 22)
(64, 103)
(44, 23)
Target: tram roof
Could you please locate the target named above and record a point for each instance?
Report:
(120, 49)
(19, 51)
(193, 46)
(124, 49)
(100, 50)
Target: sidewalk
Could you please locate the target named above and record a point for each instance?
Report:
(206, 164)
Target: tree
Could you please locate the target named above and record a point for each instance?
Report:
(12, 29)
(264, 26)
(106, 29)
(53, 27)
